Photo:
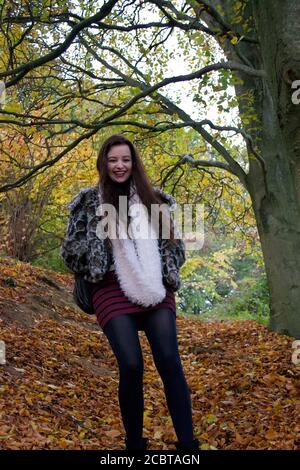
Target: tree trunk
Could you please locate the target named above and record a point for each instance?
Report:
(278, 211)
(278, 223)
(274, 182)
(280, 240)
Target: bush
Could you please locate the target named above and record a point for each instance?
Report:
(51, 260)
(227, 282)
(250, 300)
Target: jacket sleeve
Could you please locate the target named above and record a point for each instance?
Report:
(180, 251)
(177, 247)
(74, 248)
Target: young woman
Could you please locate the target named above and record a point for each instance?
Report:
(134, 280)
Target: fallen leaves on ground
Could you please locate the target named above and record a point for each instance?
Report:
(59, 386)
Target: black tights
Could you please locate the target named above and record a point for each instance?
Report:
(160, 328)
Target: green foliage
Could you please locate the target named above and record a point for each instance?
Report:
(226, 282)
(249, 301)
(51, 260)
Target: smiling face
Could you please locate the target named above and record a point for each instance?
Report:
(119, 163)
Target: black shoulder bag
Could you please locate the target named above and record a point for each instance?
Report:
(82, 294)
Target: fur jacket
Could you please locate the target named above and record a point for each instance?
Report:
(84, 253)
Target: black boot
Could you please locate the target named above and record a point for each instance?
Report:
(188, 448)
(137, 446)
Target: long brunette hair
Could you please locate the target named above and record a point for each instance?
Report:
(111, 190)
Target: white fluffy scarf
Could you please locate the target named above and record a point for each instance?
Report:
(137, 259)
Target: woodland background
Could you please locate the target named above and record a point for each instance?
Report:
(184, 82)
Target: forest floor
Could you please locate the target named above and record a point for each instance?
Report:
(58, 387)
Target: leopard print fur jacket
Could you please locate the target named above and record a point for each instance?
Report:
(84, 253)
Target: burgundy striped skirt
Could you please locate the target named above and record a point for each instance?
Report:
(109, 300)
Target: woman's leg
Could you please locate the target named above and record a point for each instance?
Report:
(122, 334)
(160, 329)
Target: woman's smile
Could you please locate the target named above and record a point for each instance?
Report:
(120, 174)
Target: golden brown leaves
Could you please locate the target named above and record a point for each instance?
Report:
(58, 389)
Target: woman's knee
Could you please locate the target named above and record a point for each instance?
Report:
(169, 361)
(132, 368)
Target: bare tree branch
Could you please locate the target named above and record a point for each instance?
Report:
(235, 168)
(24, 69)
(195, 24)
